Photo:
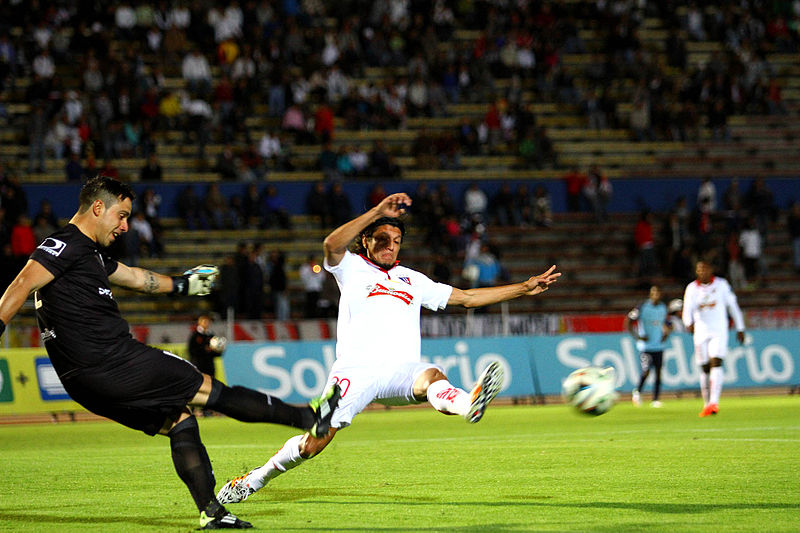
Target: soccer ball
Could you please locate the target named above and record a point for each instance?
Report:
(590, 390)
(218, 343)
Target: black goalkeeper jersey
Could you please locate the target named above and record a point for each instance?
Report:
(78, 318)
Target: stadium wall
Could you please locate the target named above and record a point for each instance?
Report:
(630, 195)
(534, 365)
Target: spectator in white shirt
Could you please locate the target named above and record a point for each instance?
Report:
(360, 160)
(475, 203)
(179, 16)
(125, 19)
(43, 65)
(707, 196)
(752, 247)
(197, 72)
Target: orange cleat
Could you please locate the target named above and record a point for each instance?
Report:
(708, 410)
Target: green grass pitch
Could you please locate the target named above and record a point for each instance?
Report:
(522, 468)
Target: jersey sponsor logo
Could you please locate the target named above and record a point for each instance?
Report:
(47, 334)
(53, 246)
(709, 305)
(379, 290)
(105, 292)
(405, 279)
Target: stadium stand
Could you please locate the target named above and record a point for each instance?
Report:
(436, 92)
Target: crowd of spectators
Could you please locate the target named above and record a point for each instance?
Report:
(98, 73)
(730, 230)
(99, 78)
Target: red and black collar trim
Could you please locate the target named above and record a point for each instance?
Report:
(376, 265)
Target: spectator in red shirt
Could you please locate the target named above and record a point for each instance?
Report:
(575, 181)
(23, 240)
(643, 237)
(323, 123)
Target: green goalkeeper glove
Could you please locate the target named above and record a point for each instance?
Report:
(197, 281)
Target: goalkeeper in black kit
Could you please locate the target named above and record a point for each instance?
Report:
(113, 375)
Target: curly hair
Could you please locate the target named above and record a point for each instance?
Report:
(369, 230)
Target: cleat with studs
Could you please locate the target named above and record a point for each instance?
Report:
(488, 385)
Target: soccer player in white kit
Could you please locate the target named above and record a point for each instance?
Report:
(707, 303)
(378, 336)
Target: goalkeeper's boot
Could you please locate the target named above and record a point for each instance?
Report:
(236, 490)
(323, 408)
(216, 516)
(489, 384)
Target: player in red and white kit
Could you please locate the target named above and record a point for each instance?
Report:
(707, 304)
(378, 336)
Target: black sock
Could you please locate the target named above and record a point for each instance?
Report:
(247, 405)
(191, 461)
(657, 385)
(642, 380)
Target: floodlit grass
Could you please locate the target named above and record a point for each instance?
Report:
(521, 469)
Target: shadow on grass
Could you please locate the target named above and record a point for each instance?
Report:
(62, 519)
(312, 497)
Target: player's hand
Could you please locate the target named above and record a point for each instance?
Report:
(197, 281)
(539, 284)
(394, 205)
(740, 337)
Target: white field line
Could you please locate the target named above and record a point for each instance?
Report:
(593, 437)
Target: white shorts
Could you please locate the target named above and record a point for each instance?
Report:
(709, 348)
(362, 385)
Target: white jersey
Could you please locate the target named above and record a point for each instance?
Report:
(707, 307)
(379, 311)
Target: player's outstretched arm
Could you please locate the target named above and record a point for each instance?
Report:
(140, 279)
(197, 281)
(491, 295)
(33, 276)
(335, 244)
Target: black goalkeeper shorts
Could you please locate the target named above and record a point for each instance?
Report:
(142, 391)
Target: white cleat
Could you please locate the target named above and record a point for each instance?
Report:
(636, 398)
(489, 384)
(656, 404)
(236, 490)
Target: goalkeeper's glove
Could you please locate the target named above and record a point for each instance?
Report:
(197, 281)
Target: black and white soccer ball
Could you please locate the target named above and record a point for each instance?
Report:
(590, 390)
(218, 343)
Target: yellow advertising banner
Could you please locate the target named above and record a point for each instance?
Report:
(29, 384)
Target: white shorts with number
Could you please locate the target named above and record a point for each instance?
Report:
(362, 385)
(710, 347)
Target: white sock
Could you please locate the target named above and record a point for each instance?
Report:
(704, 386)
(287, 458)
(448, 399)
(716, 377)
